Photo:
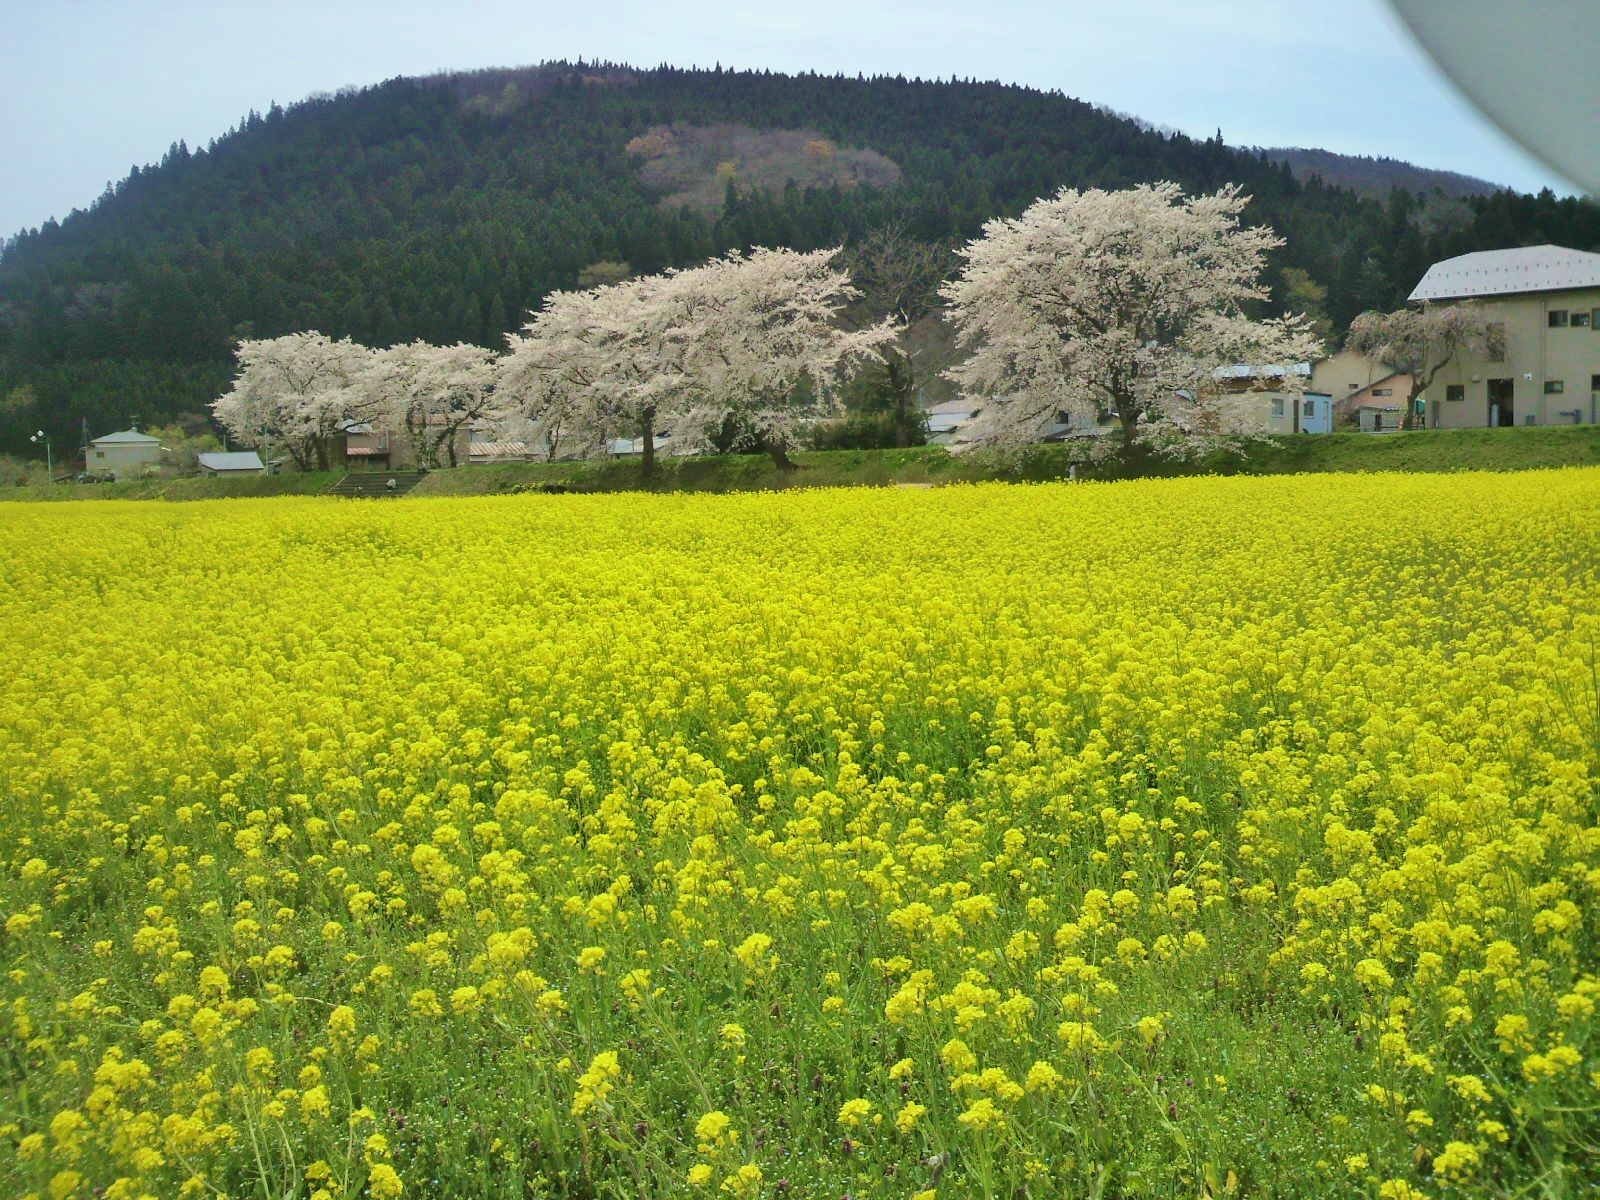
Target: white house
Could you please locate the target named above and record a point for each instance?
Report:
(117, 453)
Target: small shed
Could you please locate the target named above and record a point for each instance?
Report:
(236, 462)
(127, 450)
(1378, 416)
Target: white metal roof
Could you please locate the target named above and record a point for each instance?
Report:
(636, 445)
(1507, 272)
(127, 435)
(962, 407)
(1264, 371)
(231, 460)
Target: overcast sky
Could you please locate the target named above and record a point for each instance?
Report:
(90, 87)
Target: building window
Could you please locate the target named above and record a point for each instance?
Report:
(1455, 391)
(1594, 383)
(1580, 318)
(1277, 407)
(1383, 391)
(1558, 318)
(1554, 387)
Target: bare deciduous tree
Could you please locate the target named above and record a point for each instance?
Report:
(898, 278)
(1423, 341)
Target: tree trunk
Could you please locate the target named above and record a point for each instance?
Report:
(1128, 418)
(900, 381)
(780, 457)
(647, 465)
(1408, 419)
(450, 440)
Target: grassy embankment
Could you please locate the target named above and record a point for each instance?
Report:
(1431, 451)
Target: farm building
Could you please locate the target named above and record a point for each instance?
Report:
(231, 463)
(122, 453)
(1548, 298)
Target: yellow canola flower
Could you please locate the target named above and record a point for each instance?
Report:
(597, 1083)
(714, 1131)
(940, 789)
(854, 1112)
(383, 1182)
(905, 1120)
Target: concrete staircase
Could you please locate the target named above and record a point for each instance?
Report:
(373, 485)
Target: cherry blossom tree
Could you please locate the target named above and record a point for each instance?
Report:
(764, 347)
(431, 392)
(748, 344)
(596, 364)
(298, 389)
(1422, 341)
(1122, 305)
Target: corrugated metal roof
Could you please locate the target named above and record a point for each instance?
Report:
(127, 435)
(232, 460)
(1508, 272)
(367, 451)
(497, 449)
(964, 407)
(620, 446)
(1267, 371)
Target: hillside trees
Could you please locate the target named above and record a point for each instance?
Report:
(298, 389)
(1423, 341)
(1122, 304)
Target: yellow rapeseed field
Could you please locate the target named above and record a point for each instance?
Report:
(1198, 838)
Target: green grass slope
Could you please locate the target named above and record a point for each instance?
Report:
(923, 466)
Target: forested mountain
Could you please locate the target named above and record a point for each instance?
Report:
(1378, 176)
(445, 207)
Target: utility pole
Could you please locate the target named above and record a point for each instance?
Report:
(49, 456)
